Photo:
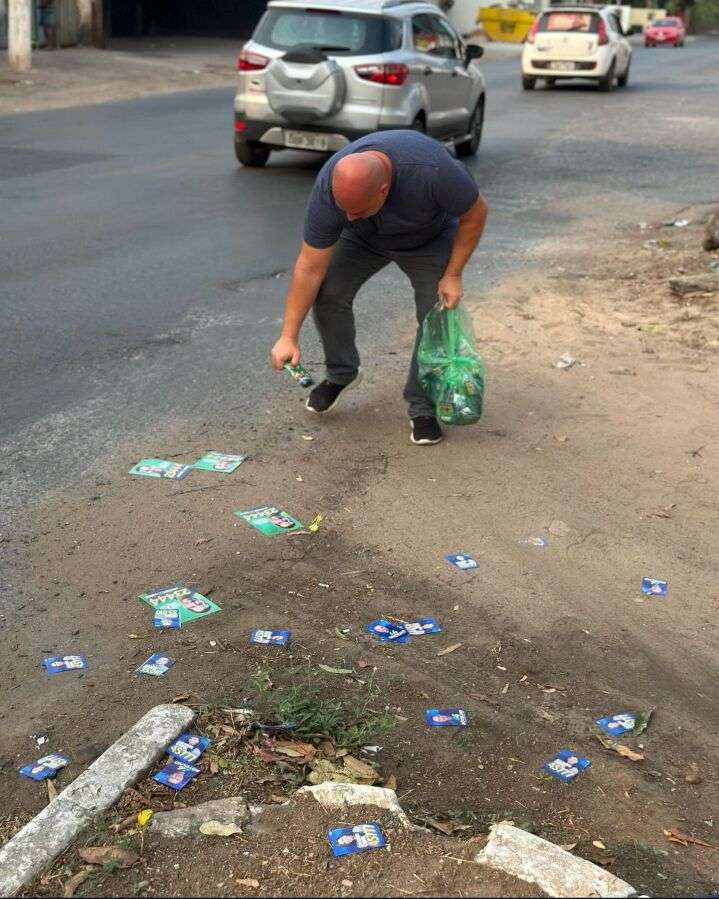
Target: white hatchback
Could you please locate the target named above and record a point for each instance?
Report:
(577, 42)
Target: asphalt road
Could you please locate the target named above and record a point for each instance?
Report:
(142, 269)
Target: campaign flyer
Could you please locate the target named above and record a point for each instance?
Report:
(161, 468)
(270, 520)
(221, 462)
(191, 604)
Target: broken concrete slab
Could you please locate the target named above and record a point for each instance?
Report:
(185, 822)
(34, 847)
(557, 872)
(682, 285)
(341, 795)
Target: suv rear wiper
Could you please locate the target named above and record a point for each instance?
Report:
(329, 47)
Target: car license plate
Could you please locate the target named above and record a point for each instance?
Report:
(660, 37)
(564, 66)
(306, 140)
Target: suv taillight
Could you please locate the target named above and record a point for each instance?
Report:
(603, 37)
(394, 73)
(251, 62)
(533, 30)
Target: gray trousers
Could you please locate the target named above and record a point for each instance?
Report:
(352, 264)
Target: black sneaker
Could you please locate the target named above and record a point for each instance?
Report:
(326, 395)
(425, 430)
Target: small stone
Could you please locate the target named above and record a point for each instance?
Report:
(185, 822)
(693, 775)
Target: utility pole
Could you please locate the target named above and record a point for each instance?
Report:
(19, 35)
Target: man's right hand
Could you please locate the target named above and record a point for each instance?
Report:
(287, 349)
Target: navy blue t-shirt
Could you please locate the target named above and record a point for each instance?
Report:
(429, 191)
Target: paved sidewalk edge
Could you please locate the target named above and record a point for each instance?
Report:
(554, 870)
(50, 832)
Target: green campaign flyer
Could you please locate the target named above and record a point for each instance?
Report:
(219, 462)
(270, 520)
(192, 605)
(161, 468)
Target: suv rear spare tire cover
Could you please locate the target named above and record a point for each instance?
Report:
(304, 86)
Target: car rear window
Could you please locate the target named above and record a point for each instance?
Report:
(337, 33)
(665, 23)
(567, 20)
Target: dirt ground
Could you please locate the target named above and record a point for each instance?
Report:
(131, 68)
(613, 461)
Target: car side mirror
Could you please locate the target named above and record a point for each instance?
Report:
(472, 51)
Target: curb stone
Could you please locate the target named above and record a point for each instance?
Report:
(557, 872)
(342, 795)
(185, 822)
(50, 832)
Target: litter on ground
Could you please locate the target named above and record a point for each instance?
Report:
(446, 717)
(270, 638)
(221, 462)
(59, 664)
(463, 561)
(176, 775)
(46, 767)
(156, 665)
(566, 765)
(270, 520)
(161, 468)
(348, 840)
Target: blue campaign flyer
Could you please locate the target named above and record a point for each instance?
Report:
(654, 586)
(387, 632)
(168, 617)
(360, 838)
(58, 664)
(463, 561)
(446, 717)
(566, 765)
(188, 747)
(422, 626)
(176, 775)
(270, 638)
(46, 767)
(156, 665)
(618, 724)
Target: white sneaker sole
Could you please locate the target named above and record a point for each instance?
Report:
(350, 386)
(424, 441)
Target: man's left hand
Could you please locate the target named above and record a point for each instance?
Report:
(450, 291)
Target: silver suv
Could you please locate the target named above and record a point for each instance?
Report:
(318, 74)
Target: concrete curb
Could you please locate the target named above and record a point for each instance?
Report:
(557, 872)
(342, 796)
(33, 848)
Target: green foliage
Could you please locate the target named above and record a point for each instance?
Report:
(347, 722)
(704, 16)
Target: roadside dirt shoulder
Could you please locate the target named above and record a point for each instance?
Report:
(612, 459)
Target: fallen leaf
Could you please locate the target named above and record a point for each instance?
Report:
(181, 698)
(136, 636)
(505, 688)
(674, 836)
(203, 540)
(363, 664)
(307, 437)
(360, 768)
(568, 846)
(275, 797)
(214, 767)
(443, 652)
(330, 670)
(390, 782)
(314, 525)
(51, 790)
(101, 855)
(327, 747)
(620, 749)
(598, 844)
(248, 882)
(143, 817)
(543, 713)
(641, 722)
(446, 829)
(295, 750)
(561, 438)
(74, 882)
(693, 775)
(218, 829)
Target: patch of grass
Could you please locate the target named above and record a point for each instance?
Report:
(347, 722)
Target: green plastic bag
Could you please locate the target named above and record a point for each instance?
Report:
(450, 368)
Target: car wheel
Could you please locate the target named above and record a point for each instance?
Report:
(251, 153)
(607, 83)
(623, 80)
(528, 83)
(419, 124)
(476, 123)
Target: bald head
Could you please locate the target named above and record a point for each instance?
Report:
(360, 183)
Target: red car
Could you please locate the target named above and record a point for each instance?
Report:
(665, 31)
